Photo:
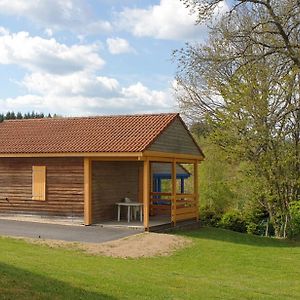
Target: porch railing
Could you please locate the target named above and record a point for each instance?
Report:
(181, 206)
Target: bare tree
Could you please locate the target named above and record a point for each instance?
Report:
(275, 27)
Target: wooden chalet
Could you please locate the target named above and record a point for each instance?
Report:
(81, 167)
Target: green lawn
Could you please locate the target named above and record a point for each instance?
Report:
(219, 265)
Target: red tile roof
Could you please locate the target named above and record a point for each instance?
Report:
(83, 134)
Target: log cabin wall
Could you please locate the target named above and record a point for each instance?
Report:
(111, 182)
(64, 186)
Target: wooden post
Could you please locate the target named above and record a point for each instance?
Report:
(146, 192)
(196, 192)
(87, 191)
(140, 186)
(174, 204)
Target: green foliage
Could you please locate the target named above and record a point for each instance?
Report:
(295, 218)
(257, 219)
(216, 175)
(233, 220)
(210, 216)
(247, 90)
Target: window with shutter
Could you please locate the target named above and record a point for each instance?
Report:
(39, 183)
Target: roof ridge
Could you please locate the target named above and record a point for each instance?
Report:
(93, 117)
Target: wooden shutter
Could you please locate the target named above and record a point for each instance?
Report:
(39, 183)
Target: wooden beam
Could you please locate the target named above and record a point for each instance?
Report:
(146, 193)
(168, 159)
(196, 191)
(118, 158)
(178, 156)
(174, 192)
(159, 159)
(87, 191)
(140, 184)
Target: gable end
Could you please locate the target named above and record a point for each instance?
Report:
(176, 138)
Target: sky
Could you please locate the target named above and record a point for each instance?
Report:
(91, 57)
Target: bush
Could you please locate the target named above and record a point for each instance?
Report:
(210, 216)
(251, 228)
(257, 220)
(295, 218)
(261, 228)
(233, 220)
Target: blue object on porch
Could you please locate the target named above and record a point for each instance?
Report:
(157, 177)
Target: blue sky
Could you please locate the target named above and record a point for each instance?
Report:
(89, 57)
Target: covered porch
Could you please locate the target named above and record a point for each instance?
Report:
(167, 197)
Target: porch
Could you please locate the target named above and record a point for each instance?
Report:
(155, 221)
(174, 200)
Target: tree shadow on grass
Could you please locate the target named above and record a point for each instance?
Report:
(237, 237)
(16, 283)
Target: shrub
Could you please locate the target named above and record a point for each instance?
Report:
(251, 228)
(210, 216)
(263, 227)
(233, 220)
(257, 219)
(295, 218)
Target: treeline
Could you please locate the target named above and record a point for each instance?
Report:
(11, 115)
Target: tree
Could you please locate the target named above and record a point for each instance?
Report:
(12, 116)
(274, 25)
(246, 82)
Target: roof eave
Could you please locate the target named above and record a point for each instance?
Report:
(73, 154)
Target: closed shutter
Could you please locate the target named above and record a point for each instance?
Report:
(39, 183)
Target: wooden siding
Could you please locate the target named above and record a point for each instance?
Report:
(64, 188)
(175, 139)
(111, 182)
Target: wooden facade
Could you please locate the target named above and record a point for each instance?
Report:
(111, 182)
(175, 139)
(64, 187)
(88, 185)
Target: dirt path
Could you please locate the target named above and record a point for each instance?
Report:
(136, 246)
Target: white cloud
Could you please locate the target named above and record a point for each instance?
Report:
(86, 93)
(118, 46)
(140, 93)
(85, 84)
(47, 55)
(71, 15)
(132, 99)
(170, 20)
(3, 31)
(167, 20)
(48, 32)
(65, 79)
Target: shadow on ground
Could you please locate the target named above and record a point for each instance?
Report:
(223, 235)
(16, 283)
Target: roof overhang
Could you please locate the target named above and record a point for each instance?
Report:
(150, 155)
(75, 154)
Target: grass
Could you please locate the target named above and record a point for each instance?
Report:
(219, 265)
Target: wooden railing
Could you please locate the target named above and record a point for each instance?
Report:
(160, 203)
(181, 207)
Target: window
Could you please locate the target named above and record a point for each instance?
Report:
(39, 183)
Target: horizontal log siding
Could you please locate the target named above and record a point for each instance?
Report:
(64, 186)
(111, 182)
(175, 139)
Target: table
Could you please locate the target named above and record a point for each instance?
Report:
(129, 206)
